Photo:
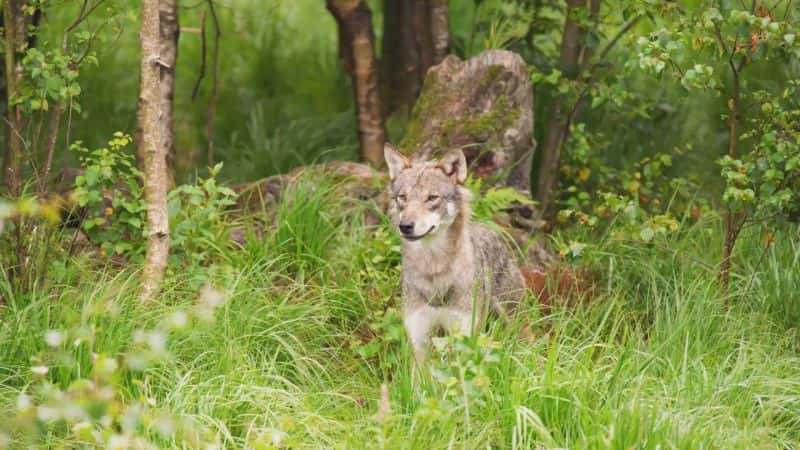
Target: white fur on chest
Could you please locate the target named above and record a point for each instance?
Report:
(432, 268)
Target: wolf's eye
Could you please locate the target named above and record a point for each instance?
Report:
(401, 197)
(433, 198)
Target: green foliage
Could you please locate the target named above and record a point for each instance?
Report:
(305, 228)
(110, 192)
(274, 358)
(51, 76)
(306, 323)
(640, 201)
(489, 202)
(197, 218)
(765, 182)
(78, 393)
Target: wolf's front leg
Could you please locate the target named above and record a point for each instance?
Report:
(462, 321)
(418, 323)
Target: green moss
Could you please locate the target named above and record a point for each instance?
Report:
(486, 125)
(430, 96)
(492, 73)
(478, 126)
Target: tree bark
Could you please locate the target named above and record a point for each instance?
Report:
(440, 29)
(357, 52)
(50, 147)
(169, 32)
(556, 132)
(415, 37)
(421, 29)
(15, 35)
(153, 151)
(731, 225)
(400, 81)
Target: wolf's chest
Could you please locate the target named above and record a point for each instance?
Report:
(442, 288)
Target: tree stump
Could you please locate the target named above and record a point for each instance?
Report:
(484, 106)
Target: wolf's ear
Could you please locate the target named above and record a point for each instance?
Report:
(454, 164)
(395, 161)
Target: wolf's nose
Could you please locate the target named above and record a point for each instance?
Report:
(406, 228)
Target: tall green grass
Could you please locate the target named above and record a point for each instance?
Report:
(310, 331)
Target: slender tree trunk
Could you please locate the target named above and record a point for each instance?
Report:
(569, 63)
(211, 112)
(357, 51)
(730, 224)
(153, 151)
(13, 161)
(169, 32)
(50, 146)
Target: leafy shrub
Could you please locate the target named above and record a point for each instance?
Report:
(197, 217)
(110, 193)
(764, 184)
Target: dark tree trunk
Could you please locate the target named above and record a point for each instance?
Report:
(732, 221)
(169, 32)
(400, 81)
(357, 52)
(557, 125)
(415, 37)
(15, 35)
(421, 28)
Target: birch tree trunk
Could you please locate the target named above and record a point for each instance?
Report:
(357, 52)
(153, 151)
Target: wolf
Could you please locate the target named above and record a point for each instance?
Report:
(454, 270)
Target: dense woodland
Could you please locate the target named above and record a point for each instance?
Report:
(195, 252)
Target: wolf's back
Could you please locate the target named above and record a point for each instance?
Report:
(497, 269)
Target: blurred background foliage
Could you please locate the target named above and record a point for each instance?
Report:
(284, 101)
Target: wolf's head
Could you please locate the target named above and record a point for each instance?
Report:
(427, 197)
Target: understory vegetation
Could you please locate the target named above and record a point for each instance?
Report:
(286, 342)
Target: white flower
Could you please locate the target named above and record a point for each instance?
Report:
(24, 402)
(157, 341)
(210, 296)
(54, 338)
(40, 370)
(178, 320)
(118, 441)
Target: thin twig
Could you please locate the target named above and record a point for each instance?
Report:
(82, 15)
(202, 70)
(50, 146)
(16, 132)
(89, 43)
(606, 50)
(212, 104)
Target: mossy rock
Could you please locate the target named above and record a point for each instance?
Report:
(485, 107)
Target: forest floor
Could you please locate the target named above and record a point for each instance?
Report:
(292, 345)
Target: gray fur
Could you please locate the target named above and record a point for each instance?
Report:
(453, 270)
